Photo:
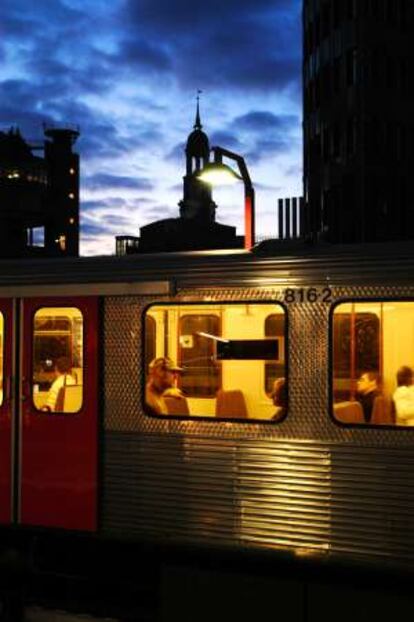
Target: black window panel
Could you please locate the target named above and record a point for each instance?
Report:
(248, 349)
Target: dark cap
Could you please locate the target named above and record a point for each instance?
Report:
(164, 363)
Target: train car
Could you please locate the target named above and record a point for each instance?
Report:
(284, 490)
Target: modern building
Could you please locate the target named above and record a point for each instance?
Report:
(39, 196)
(358, 119)
(196, 227)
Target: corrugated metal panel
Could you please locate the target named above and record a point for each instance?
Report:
(304, 485)
(305, 497)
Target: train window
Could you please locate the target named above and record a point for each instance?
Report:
(210, 360)
(57, 382)
(373, 360)
(1, 356)
(275, 329)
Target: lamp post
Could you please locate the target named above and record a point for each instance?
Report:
(217, 172)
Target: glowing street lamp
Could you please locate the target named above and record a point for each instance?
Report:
(217, 172)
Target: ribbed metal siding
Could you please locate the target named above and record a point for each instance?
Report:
(304, 485)
(329, 499)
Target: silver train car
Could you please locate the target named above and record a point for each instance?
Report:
(282, 490)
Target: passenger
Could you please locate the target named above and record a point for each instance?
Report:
(367, 391)
(162, 381)
(63, 377)
(403, 396)
(279, 398)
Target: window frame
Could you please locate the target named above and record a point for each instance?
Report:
(58, 413)
(358, 300)
(215, 303)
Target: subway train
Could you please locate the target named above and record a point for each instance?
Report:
(312, 482)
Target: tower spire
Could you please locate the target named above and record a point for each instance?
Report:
(197, 124)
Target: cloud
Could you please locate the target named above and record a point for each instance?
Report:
(233, 43)
(226, 139)
(144, 54)
(177, 153)
(263, 120)
(100, 181)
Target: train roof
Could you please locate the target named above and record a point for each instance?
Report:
(286, 262)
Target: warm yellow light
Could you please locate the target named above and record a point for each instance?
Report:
(71, 221)
(72, 171)
(61, 241)
(217, 173)
(71, 195)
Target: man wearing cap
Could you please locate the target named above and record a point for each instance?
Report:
(161, 383)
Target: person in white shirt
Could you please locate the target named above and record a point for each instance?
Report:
(403, 397)
(63, 378)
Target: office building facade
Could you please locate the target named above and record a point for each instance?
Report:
(39, 195)
(358, 119)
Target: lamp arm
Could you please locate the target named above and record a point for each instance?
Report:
(249, 195)
(220, 152)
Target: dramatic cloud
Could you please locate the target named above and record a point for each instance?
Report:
(105, 180)
(127, 72)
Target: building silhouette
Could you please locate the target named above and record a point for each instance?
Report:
(196, 227)
(39, 195)
(358, 119)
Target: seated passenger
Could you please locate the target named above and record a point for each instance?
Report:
(162, 381)
(403, 396)
(279, 398)
(62, 378)
(367, 391)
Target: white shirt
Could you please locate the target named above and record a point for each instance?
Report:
(52, 395)
(404, 405)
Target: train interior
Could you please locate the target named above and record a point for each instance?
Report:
(57, 335)
(373, 340)
(231, 355)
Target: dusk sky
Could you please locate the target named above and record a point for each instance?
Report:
(127, 71)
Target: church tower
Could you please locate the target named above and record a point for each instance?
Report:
(197, 203)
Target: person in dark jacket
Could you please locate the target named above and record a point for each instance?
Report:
(367, 391)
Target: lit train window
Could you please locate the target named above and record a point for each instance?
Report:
(373, 361)
(57, 383)
(1, 356)
(211, 360)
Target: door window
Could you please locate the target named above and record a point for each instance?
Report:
(57, 378)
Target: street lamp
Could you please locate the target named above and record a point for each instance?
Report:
(217, 172)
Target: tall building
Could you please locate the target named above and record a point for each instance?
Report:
(39, 196)
(358, 118)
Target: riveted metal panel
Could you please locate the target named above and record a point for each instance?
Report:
(306, 484)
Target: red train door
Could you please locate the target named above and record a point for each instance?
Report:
(59, 421)
(6, 409)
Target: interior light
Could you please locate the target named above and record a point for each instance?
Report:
(71, 171)
(217, 173)
(71, 221)
(71, 195)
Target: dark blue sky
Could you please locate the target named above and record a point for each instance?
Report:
(127, 72)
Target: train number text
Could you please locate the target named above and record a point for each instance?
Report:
(307, 294)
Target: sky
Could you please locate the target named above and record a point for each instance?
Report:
(127, 72)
